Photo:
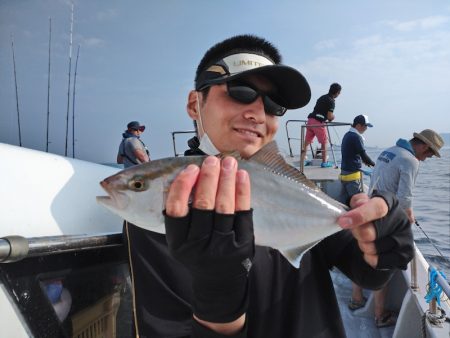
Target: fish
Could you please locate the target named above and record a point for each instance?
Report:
(290, 213)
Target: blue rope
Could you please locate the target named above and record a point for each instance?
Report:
(434, 289)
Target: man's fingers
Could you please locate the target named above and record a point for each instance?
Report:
(206, 188)
(225, 198)
(372, 260)
(368, 248)
(243, 191)
(358, 200)
(365, 233)
(179, 191)
(373, 209)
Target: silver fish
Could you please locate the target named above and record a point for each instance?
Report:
(290, 213)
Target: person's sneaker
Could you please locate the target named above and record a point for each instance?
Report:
(326, 165)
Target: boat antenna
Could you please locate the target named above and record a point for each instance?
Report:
(70, 69)
(17, 94)
(48, 89)
(73, 103)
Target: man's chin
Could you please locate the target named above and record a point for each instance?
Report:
(248, 150)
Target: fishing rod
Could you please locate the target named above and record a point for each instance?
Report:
(17, 94)
(73, 103)
(48, 86)
(68, 88)
(429, 239)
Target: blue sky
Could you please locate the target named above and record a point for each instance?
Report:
(138, 59)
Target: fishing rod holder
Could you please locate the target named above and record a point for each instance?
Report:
(16, 248)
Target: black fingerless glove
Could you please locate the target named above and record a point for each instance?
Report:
(395, 242)
(218, 250)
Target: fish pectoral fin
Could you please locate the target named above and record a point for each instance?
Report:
(295, 255)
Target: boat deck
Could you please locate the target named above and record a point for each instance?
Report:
(359, 323)
(315, 173)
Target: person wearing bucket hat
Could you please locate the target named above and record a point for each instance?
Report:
(192, 282)
(132, 150)
(395, 171)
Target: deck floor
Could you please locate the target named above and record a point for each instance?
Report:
(358, 323)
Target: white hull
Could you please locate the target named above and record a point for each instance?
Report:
(47, 195)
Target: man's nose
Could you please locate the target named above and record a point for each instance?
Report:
(255, 111)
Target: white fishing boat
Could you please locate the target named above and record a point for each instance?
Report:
(64, 273)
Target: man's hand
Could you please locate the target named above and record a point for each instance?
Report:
(411, 217)
(382, 230)
(213, 239)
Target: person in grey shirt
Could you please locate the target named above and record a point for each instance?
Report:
(132, 150)
(395, 171)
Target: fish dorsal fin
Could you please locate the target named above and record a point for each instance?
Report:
(269, 156)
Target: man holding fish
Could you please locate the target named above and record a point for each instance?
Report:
(246, 242)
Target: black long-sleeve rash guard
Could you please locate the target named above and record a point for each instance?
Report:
(366, 159)
(284, 301)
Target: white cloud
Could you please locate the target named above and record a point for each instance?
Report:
(326, 44)
(90, 41)
(389, 77)
(107, 14)
(423, 23)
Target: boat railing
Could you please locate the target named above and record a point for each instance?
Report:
(15, 248)
(174, 135)
(302, 136)
(416, 282)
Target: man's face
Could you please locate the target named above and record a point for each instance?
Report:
(232, 125)
(361, 128)
(423, 152)
(136, 132)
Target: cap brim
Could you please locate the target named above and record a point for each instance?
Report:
(292, 87)
(370, 125)
(428, 143)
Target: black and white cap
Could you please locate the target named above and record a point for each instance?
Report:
(362, 120)
(292, 87)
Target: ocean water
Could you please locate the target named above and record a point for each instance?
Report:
(431, 206)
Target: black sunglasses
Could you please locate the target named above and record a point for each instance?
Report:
(243, 93)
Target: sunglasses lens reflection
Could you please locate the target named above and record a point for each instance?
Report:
(245, 94)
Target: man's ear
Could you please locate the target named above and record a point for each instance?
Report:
(192, 105)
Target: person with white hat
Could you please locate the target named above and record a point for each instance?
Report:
(396, 171)
(353, 155)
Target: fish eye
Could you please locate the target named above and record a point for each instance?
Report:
(137, 184)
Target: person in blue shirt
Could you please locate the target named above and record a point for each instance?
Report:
(353, 154)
